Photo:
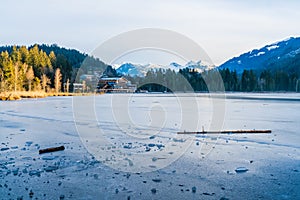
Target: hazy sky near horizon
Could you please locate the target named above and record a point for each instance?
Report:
(224, 29)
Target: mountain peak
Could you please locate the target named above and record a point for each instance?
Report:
(141, 70)
(266, 57)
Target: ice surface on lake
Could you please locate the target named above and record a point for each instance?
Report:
(118, 128)
(190, 166)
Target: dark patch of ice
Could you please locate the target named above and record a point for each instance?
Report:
(154, 159)
(224, 198)
(34, 173)
(156, 180)
(194, 189)
(153, 190)
(28, 143)
(49, 157)
(151, 145)
(4, 148)
(208, 194)
(241, 170)
(96, 176)
(31, 194)
(128, 146)
(15, 171)
(50, 168)
(178, 140)
(147, 149)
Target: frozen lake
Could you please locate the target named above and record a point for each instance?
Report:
(124, 146)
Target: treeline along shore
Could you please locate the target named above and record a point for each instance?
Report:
(41, 70)
(188, 80)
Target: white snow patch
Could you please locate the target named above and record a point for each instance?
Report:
(272, 47)
(258, 54)
(116, 66)
(287, 39)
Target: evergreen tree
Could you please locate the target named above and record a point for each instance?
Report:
(15, 55)
(65, 67)
(9, 74)
(266, 81)
(252, 81)
(248, 82)
(22, 76)
(293, 81)
(281, 81)
(24, 53)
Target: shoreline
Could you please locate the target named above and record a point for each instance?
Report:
(13, 96)
(19, 95)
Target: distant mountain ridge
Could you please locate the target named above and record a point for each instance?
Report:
(282, 55)
(140, 70)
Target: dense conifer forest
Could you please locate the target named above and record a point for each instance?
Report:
(248, 81)
(43, 68)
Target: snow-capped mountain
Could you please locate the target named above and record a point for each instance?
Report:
(129, 69)
(136, 69)
(199, 66)
(141, 70)
(272, 57)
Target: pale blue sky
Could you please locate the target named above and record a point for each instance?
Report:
(222, 28)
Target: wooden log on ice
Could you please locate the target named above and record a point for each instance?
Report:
(225, 132)
(51, 149)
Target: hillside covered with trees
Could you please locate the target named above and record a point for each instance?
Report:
(43, 68)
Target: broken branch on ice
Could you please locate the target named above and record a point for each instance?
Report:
(51, 149)
(225, 132)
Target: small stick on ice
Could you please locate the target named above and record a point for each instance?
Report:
(51, 149)
(225, 132)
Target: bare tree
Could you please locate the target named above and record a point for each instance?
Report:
(45, 82)
(2, 81)
(29, 77)
(83, 86)
(57, 80)
(68, 86)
